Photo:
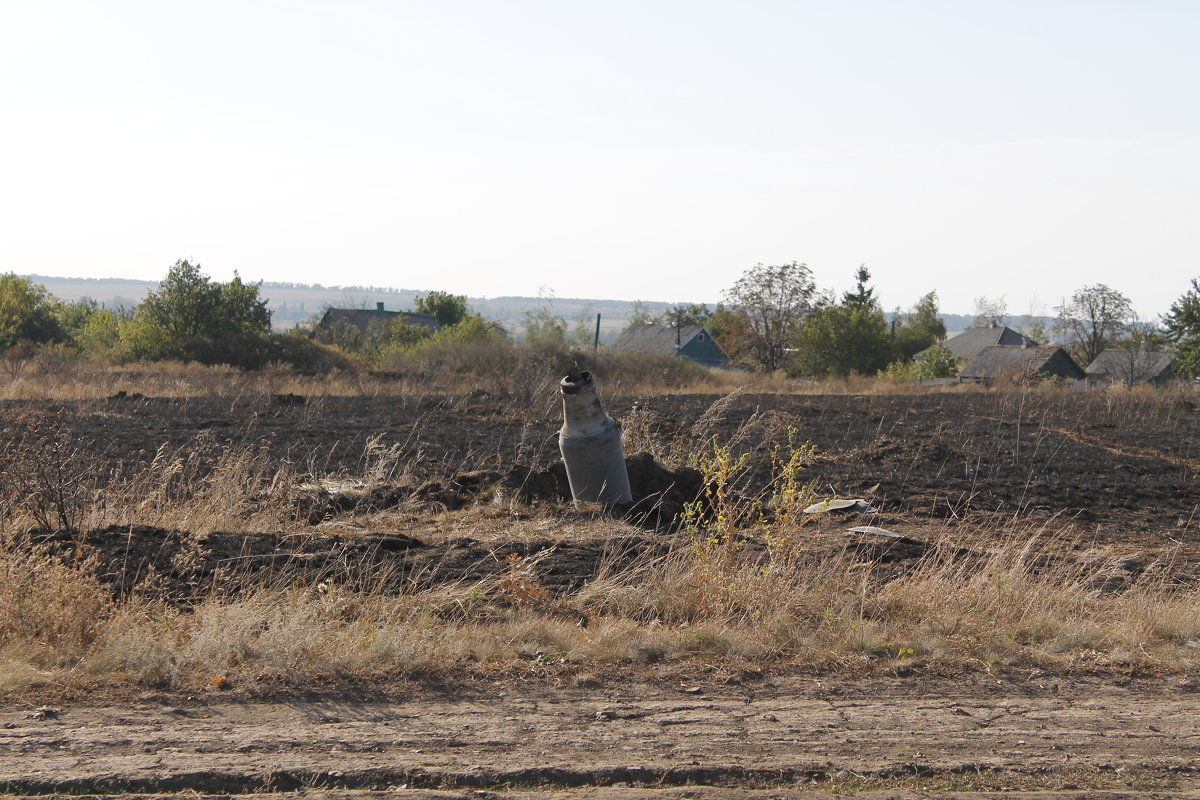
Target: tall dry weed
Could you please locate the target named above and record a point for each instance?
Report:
(819, 606)
(203, 486)
(50, 611)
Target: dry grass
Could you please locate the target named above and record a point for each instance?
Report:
(827, 613)
(515, 375)
(84, 381)
(516, 378)
(50, 611)
(720, 595)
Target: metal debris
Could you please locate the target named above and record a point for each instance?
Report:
(847, 505)
(876, 531)
(590, 443)
(43, 712)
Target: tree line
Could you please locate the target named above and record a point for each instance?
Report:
(189, 317)
(773, 317)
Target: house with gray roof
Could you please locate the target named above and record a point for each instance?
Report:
(689, 341)
(1007, 362)
(337, 323)
(1126, 367)
(971, 342)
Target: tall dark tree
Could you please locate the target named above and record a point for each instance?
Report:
(920, 328)
(849, 337)
(1183, 329)
(863, 295)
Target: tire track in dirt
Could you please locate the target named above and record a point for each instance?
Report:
(1110, 445)
(1123, 448)
(543, 738)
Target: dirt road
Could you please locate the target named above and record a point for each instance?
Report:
(795, 737)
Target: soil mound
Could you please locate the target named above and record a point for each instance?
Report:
(183, 569)
(659, 493)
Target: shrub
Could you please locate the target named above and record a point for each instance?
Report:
(26, 312)
(192, 318)
(939, 362)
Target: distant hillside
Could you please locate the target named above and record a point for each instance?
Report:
(295, 303)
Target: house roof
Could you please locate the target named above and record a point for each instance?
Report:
(363, 317)
(1144, 364)
(970, 342)
(1022, 363)
(660, 339)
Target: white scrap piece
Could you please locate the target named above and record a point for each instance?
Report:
(856, 504)
(877, 531)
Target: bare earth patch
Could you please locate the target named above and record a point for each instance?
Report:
(980, 734)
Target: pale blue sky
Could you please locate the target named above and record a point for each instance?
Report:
(649, 150)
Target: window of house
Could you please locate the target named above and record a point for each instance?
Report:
(699, 337)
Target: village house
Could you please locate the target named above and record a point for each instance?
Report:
(1021, 364)
(689, 341)
(336, 322)
(971, 342)
(1126, 367)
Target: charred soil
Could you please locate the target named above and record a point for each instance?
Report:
(1118, 470)
(472, 490)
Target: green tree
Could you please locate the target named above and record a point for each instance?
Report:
(1183, 330)
(1094, 317)
(192, 318)
(472, 329)
(863, 295)
(583, 331)
(920, 328)
(939, 362)
(100, 336)
(448, 309)
(405, 334)
(73, 317)
(27, 312)
(685, 314)
(849, 337)
(773, 303)
(242, 309)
